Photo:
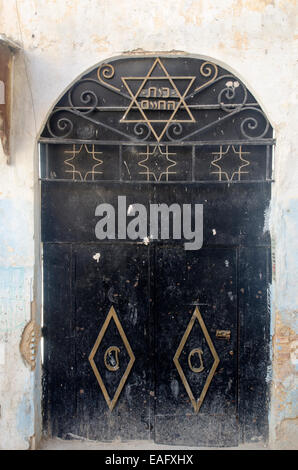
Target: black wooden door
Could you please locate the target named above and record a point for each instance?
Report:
(145, 339)
(196, 346)
(142, 344)
(98, 340)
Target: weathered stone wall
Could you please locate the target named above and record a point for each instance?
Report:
(61, 39)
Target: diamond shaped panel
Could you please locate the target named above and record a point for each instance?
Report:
(112, 315)
(196, 403)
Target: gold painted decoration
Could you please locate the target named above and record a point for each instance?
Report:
(196, 403)
(112, 316)
(224, 157)
(29, 343)
(90, 155)
(148, 98)
(157, 163)
(104, 72)
(158, 99)
(223, 334)
(208, 69)
(191, 354)
(115, 360)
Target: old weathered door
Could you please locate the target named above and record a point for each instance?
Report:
(145, 339)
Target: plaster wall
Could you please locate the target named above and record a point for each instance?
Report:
(257, 39)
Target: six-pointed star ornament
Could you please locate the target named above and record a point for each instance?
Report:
(163, 86)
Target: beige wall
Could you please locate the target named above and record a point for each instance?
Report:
(256, 39)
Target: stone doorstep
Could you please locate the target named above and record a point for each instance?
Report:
(85, 444)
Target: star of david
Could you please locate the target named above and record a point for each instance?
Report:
(157, 164)
(158, 73)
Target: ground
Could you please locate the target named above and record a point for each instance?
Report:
(85, 444)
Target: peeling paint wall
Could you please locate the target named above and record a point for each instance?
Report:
(257, 39)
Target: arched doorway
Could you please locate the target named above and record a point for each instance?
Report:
(155, 179)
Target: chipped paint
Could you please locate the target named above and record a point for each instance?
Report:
(240, 40)
(25, 411)
(285, 382)
(193, 13)
(101, 42)
(14, 289)
(257, 5)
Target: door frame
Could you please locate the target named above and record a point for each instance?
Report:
(38, 268)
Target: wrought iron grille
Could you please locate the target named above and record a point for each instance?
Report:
(157, 119)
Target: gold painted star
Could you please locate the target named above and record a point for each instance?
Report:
(77, 152)
(157, 164)
(164, 99)
(232, 162)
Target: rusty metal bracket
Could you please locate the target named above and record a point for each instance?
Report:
(8, 48)
(29, 343)
(30, 339)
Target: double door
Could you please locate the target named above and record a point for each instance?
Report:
(147, 340)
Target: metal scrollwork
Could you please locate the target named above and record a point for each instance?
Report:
(107, 72)
(64, 126)
(87, 99)
(169, 99)
(251, 123)
(142, 130)
(228, 94)
(206, 69)
(174, 128)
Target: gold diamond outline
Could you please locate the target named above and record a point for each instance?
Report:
(112, 314)
(196, 403)
(181, 99)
